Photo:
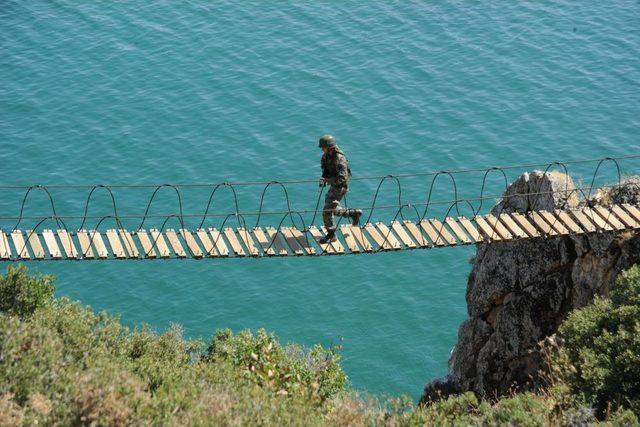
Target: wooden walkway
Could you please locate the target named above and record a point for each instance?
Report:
(289, 241)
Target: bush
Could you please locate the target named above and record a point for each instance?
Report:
(600, 355)
(21, 294)
(63, 364)
(314, 373)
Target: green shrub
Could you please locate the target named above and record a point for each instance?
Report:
(30, 358)
(457, 410)
(21, 294)
(627, 290)
(624, 418)
(523, 409)
(600, 355)
(315, 373)
(63, 364)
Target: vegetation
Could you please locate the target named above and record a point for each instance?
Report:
(600, 356)
(63, 364)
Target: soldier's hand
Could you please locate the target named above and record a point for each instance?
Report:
(322, 182)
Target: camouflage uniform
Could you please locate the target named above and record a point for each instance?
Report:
(335, 171)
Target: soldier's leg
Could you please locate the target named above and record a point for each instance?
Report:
(354, 214)
(327, 213)
(332, 206)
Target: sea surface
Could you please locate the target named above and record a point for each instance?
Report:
(202, 92)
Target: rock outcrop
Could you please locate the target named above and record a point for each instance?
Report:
(519, 292)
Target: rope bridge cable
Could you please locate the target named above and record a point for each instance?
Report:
(285, 191)
(412, 205)
(399, 208)
(290, 212)
(309, 181)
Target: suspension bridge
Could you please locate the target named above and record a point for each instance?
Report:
(51, 238)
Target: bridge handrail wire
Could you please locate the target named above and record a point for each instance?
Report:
(308, 181)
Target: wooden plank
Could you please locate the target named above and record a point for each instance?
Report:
(277, 240)
(157, 240)
(233, 241)
(377, 238)
(525, 224)
(554, 222)
(497, 225)
(634, 211)
(407, 241)
(188, 238)
(583, 221)
(360, 238)
(19, 244)
(5, 250)
(625, 217)
(36, 246)
(457, 230)
(436, 240)
(609, 217)
(67, 244)
(292, 241)
(303, 240)
(128, 243)
(442, 231)
(327, 248)
(542, 224)
(336, 244)
(415, 232)
(52, 246)
(568, 222)
(218, 242)
(512, 226)
(248, 241)
(595, 218)
(263, 241)
(116, 245)
(470, 229)
(206, 242)
(98, 243)
(347, 235)
(486, 229)
(388, 235)
(172, 237)
(85, 244)
(148, 251)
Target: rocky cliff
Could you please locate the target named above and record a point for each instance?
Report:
(519, 292)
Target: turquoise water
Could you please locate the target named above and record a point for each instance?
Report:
(179, 92)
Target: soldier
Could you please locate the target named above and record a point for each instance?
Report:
(336, 173)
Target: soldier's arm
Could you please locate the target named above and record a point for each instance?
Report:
(323, 165)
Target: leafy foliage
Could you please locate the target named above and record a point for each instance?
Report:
(63, 364)
(21, 294)
(600, 355)
(260, 359)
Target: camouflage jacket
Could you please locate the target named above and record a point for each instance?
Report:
(335, 168)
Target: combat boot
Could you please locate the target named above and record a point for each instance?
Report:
(355, 215)
(330, 237)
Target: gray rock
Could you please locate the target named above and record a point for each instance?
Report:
(538, 190)
(627, 192)
(519, 292)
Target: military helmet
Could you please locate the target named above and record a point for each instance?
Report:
(327, 141)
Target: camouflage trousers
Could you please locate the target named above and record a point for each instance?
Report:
(332, 206)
